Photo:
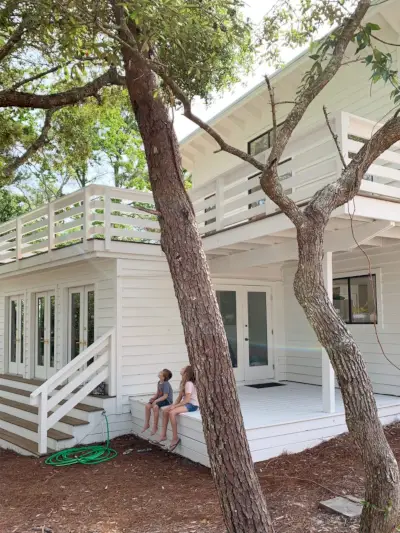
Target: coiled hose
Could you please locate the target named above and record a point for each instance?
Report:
(85, 455)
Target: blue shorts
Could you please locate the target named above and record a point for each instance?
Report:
(191, 408)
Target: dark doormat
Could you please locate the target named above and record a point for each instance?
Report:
(266, 385)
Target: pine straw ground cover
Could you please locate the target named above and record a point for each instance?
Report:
(156, 492)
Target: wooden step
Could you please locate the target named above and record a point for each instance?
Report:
(31, 426)
(27, 393)
(33, 409)
(38, 382)
(20, 379)
(21, 442)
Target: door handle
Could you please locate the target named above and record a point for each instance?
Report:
(246, 339)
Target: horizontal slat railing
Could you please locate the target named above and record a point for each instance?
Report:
(96, 212)
(71, 384)
(309, 162)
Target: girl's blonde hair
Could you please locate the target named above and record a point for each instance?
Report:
(188, 375)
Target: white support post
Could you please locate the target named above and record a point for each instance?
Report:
(219, 203)
(18, 239)
(50, 228)
(112, 365)
(107, 219)
(42, 429)
(86, 216)
(328, 375)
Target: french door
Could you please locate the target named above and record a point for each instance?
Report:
(246, 313)
(16, 335)
(45, 324)
(81, 320)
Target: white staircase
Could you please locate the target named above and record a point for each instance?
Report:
(41, 417)
(19, 419)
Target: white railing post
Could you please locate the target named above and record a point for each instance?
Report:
(42, 430)
(107, 219)
(50, 224)
(219, 203)
(112, 364)
(18, 239)
(86, 216)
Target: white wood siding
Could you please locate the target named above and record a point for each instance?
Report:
(150, 330)
(302, 351)
(97, 272)
(351, 91)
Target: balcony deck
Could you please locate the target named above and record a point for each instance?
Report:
(232, 211)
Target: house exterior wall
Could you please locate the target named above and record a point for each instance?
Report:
(350, 91)
(302, 352)
(150, 334)
(97, 272)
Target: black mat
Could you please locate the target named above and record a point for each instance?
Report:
(266, 385)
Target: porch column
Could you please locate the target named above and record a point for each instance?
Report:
(328, 375)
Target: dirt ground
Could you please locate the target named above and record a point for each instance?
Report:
(156, 492)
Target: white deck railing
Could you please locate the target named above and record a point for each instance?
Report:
(71, 384)
(308, 163)
(234, 197)
(96, 212)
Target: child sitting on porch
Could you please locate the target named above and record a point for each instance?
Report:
(162, 398)
(187, 402)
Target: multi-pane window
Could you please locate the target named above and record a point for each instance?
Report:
(354, 299)
(261, 143)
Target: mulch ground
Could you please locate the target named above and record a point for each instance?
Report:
(145, 491)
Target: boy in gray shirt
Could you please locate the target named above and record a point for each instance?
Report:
(163, 397)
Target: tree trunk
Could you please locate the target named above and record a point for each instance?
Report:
(239, 491)
(381, 509)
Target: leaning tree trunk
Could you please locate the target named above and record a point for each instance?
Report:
(381, 509)
(239, 491)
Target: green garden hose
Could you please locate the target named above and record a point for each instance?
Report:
(85, 455)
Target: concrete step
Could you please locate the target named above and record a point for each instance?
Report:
(21, 445)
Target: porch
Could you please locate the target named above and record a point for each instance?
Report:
(287, 418)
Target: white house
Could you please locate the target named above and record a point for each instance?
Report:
(107, 297)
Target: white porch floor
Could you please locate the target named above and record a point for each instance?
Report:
(281, 419)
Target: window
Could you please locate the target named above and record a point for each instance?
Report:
(354, 299)
(261, 143)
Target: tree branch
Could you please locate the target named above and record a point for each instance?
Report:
(12, 98)
(269, 179)
(15, 38)
(334, 137)
(160, 70)
(348, 185)
(34, 78)
(40, 142)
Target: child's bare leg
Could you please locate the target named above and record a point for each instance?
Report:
(174, 423)
(163, 434)
(156, 414)
(146, 426)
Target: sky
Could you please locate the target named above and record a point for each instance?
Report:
(254, 9)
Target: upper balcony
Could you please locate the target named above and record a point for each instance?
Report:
(100, 217)
(311, 161)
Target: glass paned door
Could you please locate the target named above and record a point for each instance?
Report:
(81, 320)
(257, 346)
(229, 305)
(16, 335)
(45, 324)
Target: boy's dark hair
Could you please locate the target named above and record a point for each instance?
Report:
(167, 374)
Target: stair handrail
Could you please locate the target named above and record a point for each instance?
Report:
(67, 392)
